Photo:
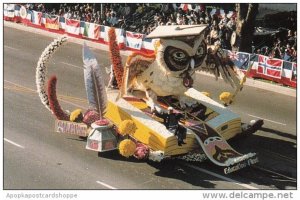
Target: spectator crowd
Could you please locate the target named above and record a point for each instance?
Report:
(145, 17)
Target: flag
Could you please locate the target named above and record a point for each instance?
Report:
(29, 15)
(10, 11)
(17, 10)
(254, 62)
(269, 66)
(240, 59)
(36, 17)
(134, 40)
(17, 17)
(52, 22)
(148, 44)
(72, 26)
(287, 68)
(120, 35)
(91, 30)
(294, 73)
(62, 23)
(104, 32)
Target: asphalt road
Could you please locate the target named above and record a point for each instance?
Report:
(35, 157)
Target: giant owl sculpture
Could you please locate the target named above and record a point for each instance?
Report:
(179, 52)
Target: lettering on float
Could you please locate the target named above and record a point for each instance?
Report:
(71, 128)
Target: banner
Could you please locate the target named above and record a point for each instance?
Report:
(52, 22)
(294, 73)
(240, 59)
(9, 11)
(120, 36)
(269, 66)
(104, 33)
(277, 70)
(287, 70)
(36, 17)
(91, 30)
(72, 26)
(134, 40)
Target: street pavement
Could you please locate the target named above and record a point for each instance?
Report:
(35, 157)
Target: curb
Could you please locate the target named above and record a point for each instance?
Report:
(250, 82)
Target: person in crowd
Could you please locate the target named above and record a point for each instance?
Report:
(141, 17)
(113, 20)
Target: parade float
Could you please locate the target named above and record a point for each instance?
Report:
(133, 117)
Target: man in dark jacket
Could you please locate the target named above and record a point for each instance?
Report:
(171, 120)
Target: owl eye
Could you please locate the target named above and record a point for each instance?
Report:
(200, 54)
(176, 59)
(200, 51)
(179, 56)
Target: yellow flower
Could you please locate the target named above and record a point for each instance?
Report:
(127, 127)
(226, 97)
(127, 148)
(76, 116)
(206, 94)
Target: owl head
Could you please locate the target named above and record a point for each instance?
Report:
(180, 50)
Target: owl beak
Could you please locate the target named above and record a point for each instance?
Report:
(192, 63)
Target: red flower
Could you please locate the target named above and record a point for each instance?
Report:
(115, 56)
(53, 102)
(141, 151)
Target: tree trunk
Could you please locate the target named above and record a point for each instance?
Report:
(246, 14)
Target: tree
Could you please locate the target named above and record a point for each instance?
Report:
(246, 14)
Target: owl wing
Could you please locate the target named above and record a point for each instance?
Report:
(218, 63)
(136, 64)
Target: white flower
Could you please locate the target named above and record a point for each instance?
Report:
(156, 156)
(41, 70)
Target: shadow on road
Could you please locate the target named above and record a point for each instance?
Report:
(173, 169)
(279, 133)
(277, 165)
